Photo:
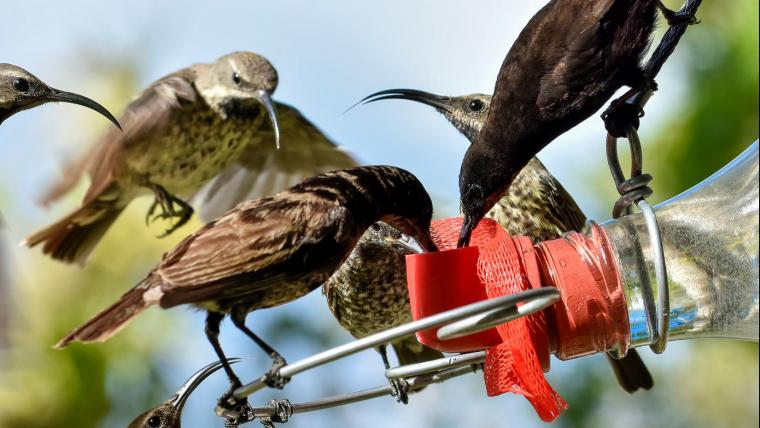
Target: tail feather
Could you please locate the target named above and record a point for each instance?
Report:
(410, 351)
(631, 372)
(72, 239)
(110, 321)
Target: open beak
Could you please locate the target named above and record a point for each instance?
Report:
(266, 100)
(437, 101)
(183, 393)
(54, 95)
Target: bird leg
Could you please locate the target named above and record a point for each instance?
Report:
(622, 112)
(167, 202)
(227, 400)
(675, 18)
(272, 378)
(400, 386)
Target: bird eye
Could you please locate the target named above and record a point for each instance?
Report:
(21, 85)
(375, 227)
(236, 78)
(154, 422)
(476, 105)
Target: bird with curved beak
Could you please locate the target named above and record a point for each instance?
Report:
(179, 133)
(271, 251)
(535, 205)
(565, 65)
(21, 90)
(169, 413)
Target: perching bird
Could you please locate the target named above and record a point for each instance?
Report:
(368, 294)
(202, 124)
(270, 251)
(565, 64)
(535, 205)
(169, 413)
(21, 90)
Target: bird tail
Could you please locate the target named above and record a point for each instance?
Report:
(631, 372)
(410, 351)
(72, 239)
(110, 321)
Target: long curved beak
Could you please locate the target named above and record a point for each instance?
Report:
(266, 100)
(183, 393)
(437, 101)
(56, 95)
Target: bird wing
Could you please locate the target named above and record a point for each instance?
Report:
(576, 56)
(150, 110)
(264, 170)
(250, 249)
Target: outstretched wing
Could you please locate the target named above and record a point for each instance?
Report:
(150, 110)
(263, 170)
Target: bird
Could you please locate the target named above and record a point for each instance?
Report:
(21, 90)
(270, 251)
(565, 65)
(169, 413)
(535, 205)
(200, 131)
(368, 294)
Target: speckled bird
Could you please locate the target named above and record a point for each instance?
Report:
(271, 251)
(204, 125)
(21, 90)
(368, 294)
(535, 205)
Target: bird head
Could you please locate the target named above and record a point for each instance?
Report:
(21, 90)
(408, 207)
(467, 113)
(169, 413)
(382, 235)
(238, 84)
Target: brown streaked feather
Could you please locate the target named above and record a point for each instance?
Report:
(263, 170)
(255, 237)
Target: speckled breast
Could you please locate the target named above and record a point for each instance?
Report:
(196, 146)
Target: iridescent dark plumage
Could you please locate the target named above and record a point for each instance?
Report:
(535, 205)
(202, 123)
(271, 251)
(566, 63)
(21, 90)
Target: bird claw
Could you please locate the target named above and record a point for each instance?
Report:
(675, 18)
(236, 408)
(167, 203)
(400, 390)
(619, 116)
(273, 378)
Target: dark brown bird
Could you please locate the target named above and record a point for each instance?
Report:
(169, 413)
(368, 294)
(202, 124)
(565, 64)
(535, 205)
(21, 90)
(270, 251)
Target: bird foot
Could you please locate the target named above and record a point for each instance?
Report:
(171, 207)
(674, 18)
(626, 111)
(400, 390)
(273, 378)
(235, 408)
